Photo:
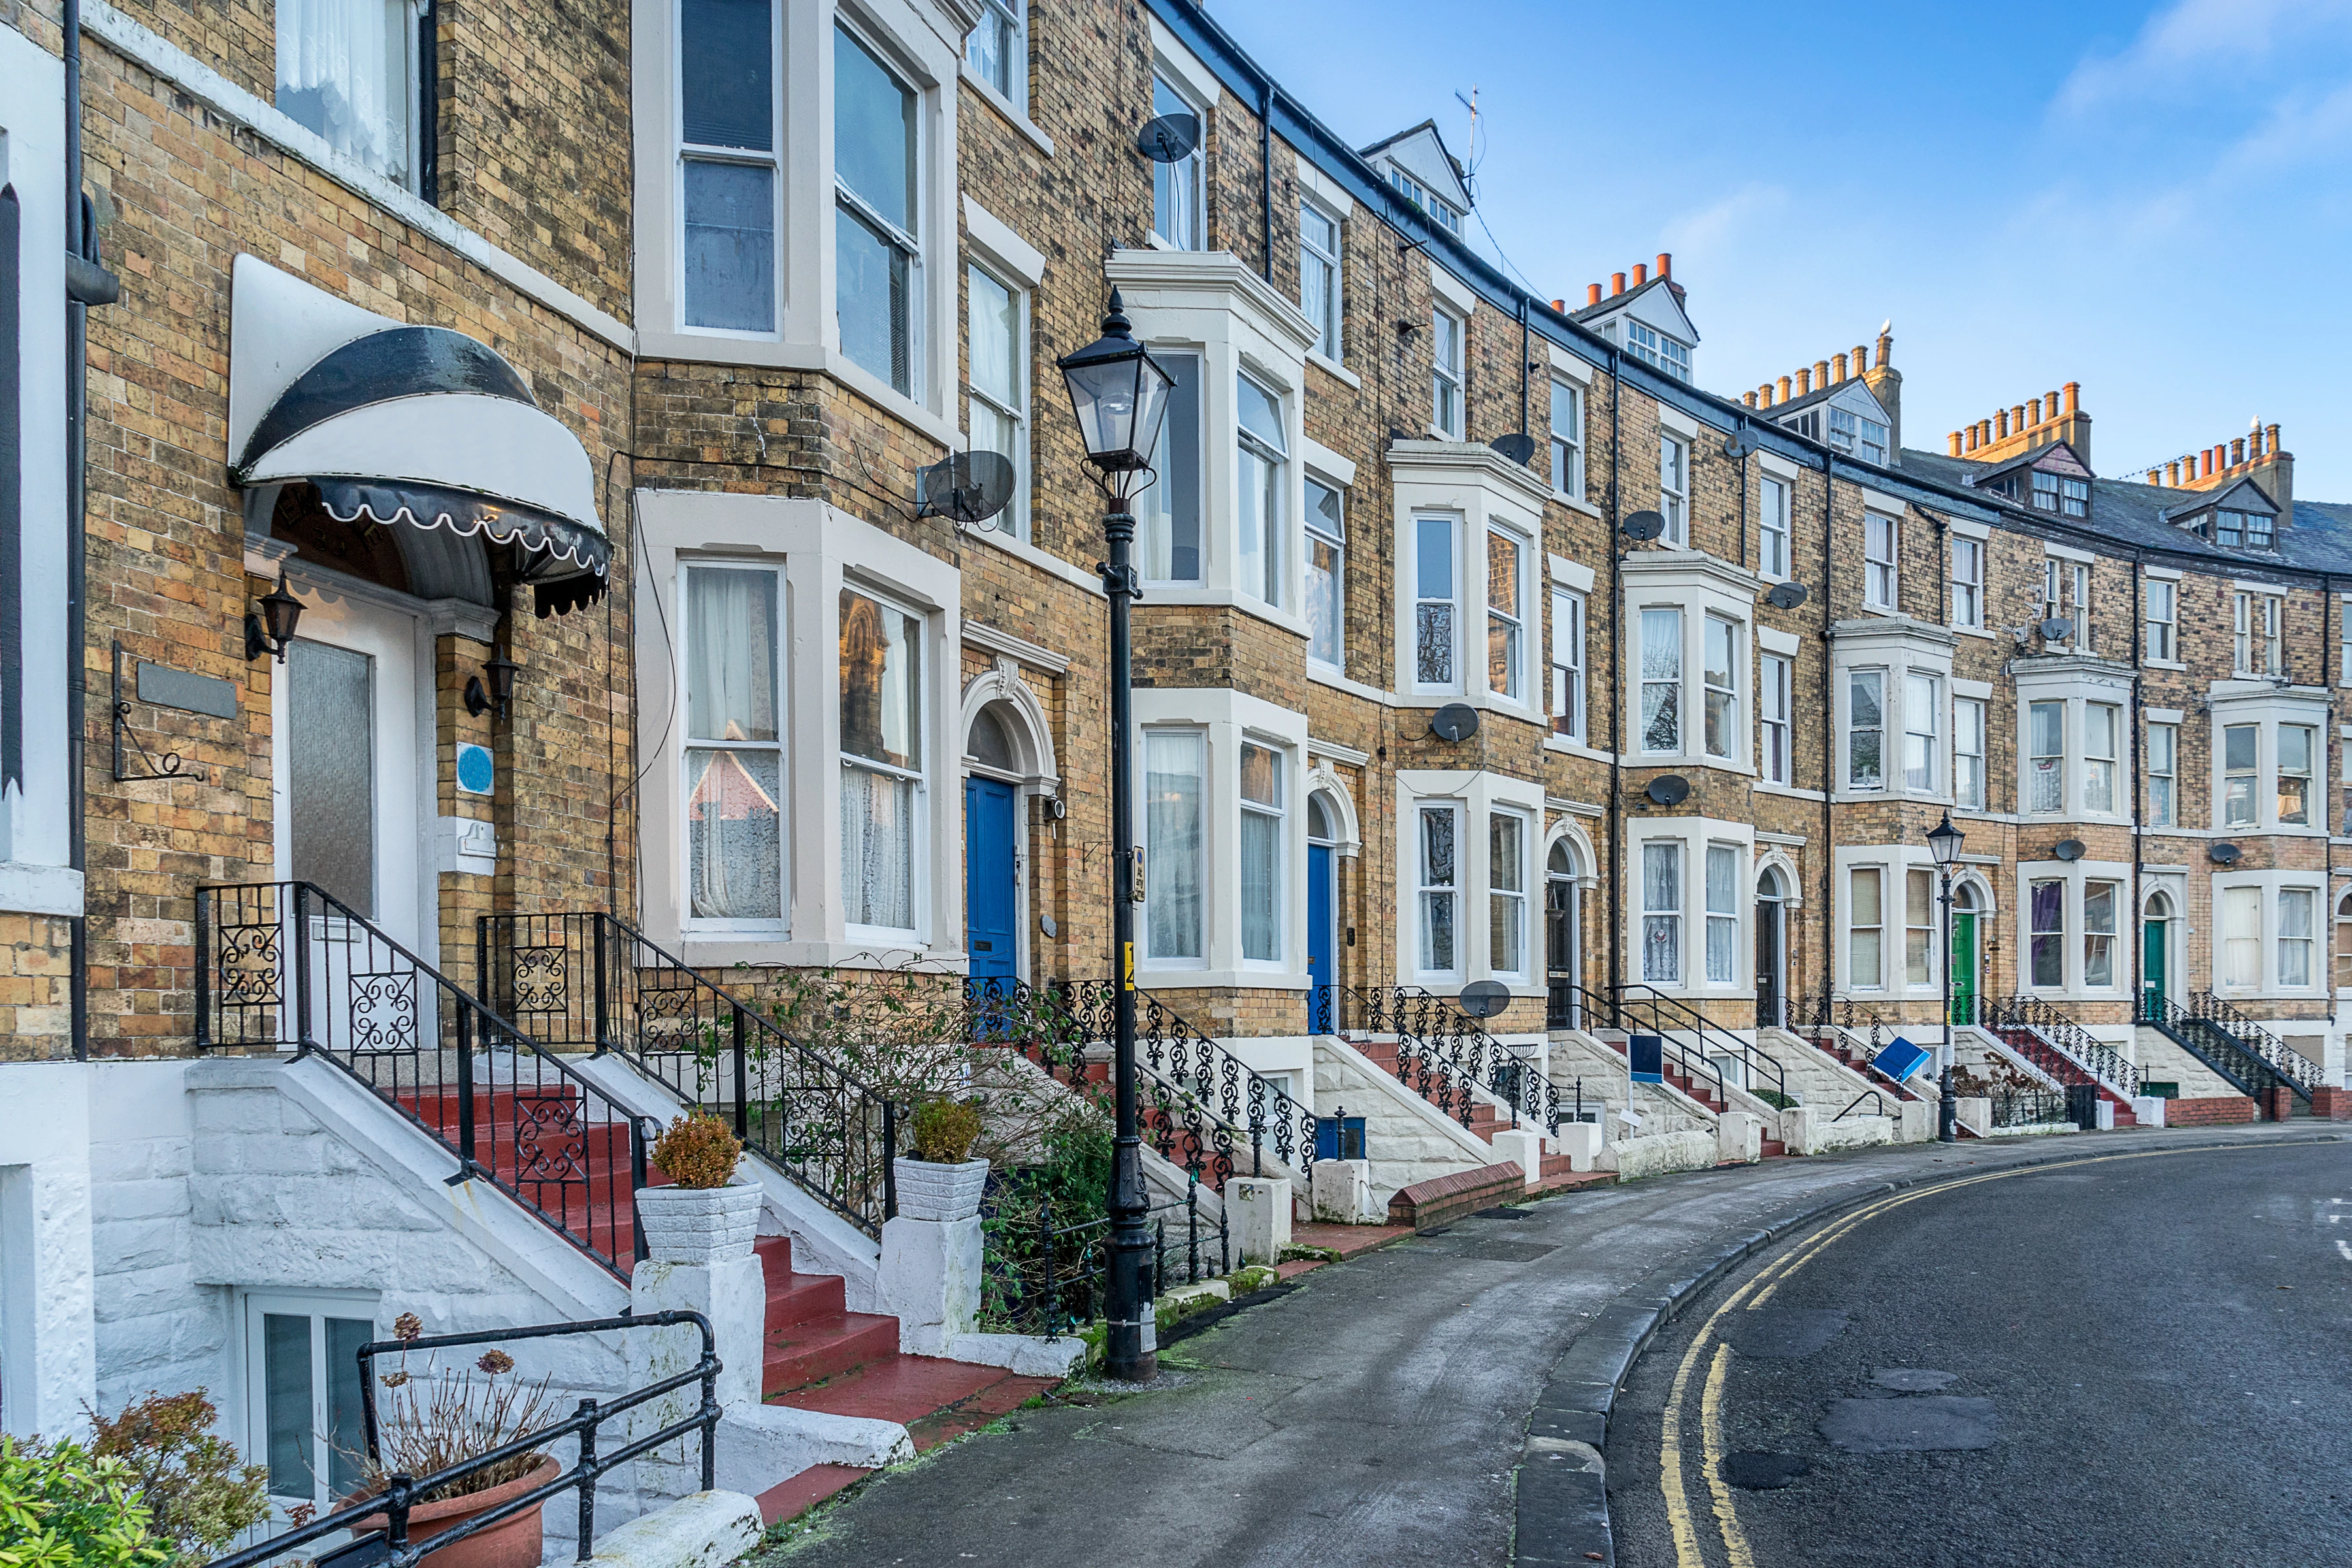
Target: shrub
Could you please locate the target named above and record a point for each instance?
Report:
(699, 1150)
(435, 1418)
(63, 1507)
(201, 1496)
(945, 1130)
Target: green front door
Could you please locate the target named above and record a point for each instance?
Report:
(2154, 943)
(1964, 968)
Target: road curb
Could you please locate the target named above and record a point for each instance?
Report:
(1563, 1478)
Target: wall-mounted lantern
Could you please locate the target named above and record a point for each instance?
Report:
(271, 630)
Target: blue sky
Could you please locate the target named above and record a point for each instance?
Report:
(2155, 201)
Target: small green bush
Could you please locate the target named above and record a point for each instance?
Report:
(61, 1507)
(202, 1496)
(698, 1152)
(945, 1130)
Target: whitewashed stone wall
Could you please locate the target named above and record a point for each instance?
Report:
(1406, 1138)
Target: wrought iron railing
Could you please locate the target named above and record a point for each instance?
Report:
(1877, 1105)
(2056, 1044)
(589, 981)
(1039, 1277)
(1829, 1011)
(1560, 1008)
(389, 1508)
(2226, 1042)
(1677, 1059)
(2027, 1107)
(2297, 1070)
(1666, 1013)
(288, 966)
(1441, 1054)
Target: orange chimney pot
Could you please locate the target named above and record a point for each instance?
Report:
(1665, 264)
(1593, 293)
(1616, 283)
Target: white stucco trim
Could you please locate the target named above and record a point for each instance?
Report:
(995, 239)
(48, 1345)
(1474, 794)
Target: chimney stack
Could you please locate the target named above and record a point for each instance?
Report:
(2017, 418)
(1641, 273)
(2172, 475)
(1665, 264)
(1956, 443)
(1804, 382)
(1837, 368)
(1616, 283)
(2000, 425)
(1560, 306)
(1784, 389)
(2156, 476)
(2034, 405)
(2271, 439)
(1593, 293)
(2073, 390)
(1860, 360)
(1972, 438)
(1748, 398)
(1821, 372)
(2237, 451)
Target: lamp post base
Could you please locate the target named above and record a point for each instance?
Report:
(1948, 1110)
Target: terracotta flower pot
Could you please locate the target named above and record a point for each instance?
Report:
(939, 1191)
(514, 1541)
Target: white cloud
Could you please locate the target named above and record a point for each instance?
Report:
(2192, 38)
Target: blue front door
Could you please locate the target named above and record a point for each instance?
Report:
(991, 894)
(1321, 970)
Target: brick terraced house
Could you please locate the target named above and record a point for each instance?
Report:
(515, 625)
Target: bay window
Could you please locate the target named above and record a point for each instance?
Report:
(1168, 511)
(1866, 743)
(998, 49)
(733, 753)
(2046, 932)
(348, 70)
(881, 755)
(1919, 926)
(1176, 188)
(1922, 709)
(1674, 487)
(877, 255)
(1969, 752)
(1773, 527)
(2295, 749)
(728, 165)
(2102, 731)
(1435, 639)
(1260, 459)
(1865, 927)
(1174, 823)
(1446, 335)
(2100, 900)
(2240, 756)
(1721, 651)
(2163, 774)
(1319, 276)
(1507, 893)
(1261, 853)
(2045, 764)
(1878, 561)
(2296, 924)
(1967, 582)
(1327, 603)
(1662, 680)
(1567, 663)
(2162, 618)
(1773, 718)
(1567, 438)
(1439, 892)
(998, 346)
(1662, 916)
(1506, 631)
(1722, 915)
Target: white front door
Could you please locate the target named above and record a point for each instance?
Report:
(348, 720)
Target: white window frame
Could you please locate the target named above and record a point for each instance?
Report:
(2292, 946)
(1450, 601)
(1855, 926)
(2118, 971)
(771, 159)
(1776, 683)
(2161, 615)
(1448, 380)
(1962, 709)
(1922, 731)
(1569, 693)
(2164, 776)
(1271, 582)
(2255, 629)
(2029, 973)
(1772, 518)
(1008, 21)
(1567, 444)
(2228, 816)
(1967, 582)
(910, 243)
(2079, 584)
(1674, 487)
(1428, 891)
(1664, 918)
(2310, 773)
(2100, 758)
(2032, 801)
(1515, 898)
(1881, 561)
(1655, 349)
(408, 115)
(1919, 936)
(919, 891)
(1333, 261)
(1016, 414)
(316, 1306)
(1511, 622)
(692, 925)
(1317, 530)
(1720, 695)
(1147, 955)
(1193, 165)
(1669, 684)
(1722, 914)
(1854, 680)
(1278, 812)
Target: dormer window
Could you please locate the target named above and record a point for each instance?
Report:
(2251, 530)
(1422, 197)
(1653, 347)
(2075, 497)
(1850, 432)
(2045, 492)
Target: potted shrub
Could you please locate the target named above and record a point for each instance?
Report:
(704, 1215)
(429, 1420)
(940, 1180)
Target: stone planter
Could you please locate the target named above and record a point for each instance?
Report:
(514, 1541)
(700, 1225)
(939, 1191)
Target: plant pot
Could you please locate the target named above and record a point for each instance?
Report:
(514, 1541)
(700, 1225)
(939, 1191)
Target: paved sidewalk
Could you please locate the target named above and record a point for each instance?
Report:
(1375, 1414)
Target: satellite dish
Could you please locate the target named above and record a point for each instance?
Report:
(1169, 139)
(2057, 628)
(1642, 525)
(970, 487)
(1484, 998)
(1788, 595)
(1743, 442)
(1668, 789)
(2069, 849)
(2225, 854)
(1518, 446)
(1454, 721)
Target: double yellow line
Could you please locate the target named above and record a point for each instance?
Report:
(1754, 1294)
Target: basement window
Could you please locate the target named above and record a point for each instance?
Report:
(302, 1394)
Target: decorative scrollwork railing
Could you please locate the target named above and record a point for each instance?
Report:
(2027, 1107)
(589, 981)
(1441, 1054)
(2293, 1068)
(288, 965)
(2057, 1045)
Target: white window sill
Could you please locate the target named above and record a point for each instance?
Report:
(1006, 111)
(1337, 371)
(1575, 503)
(1794, 792)
(2162, 664)
(1973, 632)
(1569, 746)
(1324, 675)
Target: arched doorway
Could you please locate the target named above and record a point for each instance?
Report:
(1967, 979)
(1324, 836)
(2156, 951)
(1560, 938)
(991, 851)
(1771, 951)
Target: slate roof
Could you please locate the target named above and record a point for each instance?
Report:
(1818, 394)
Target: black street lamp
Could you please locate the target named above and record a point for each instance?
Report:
(1944, 842)
(1119, 395)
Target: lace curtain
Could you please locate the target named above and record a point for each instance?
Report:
(342, 71)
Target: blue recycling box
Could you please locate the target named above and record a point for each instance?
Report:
(1648, 1054)
(1901, 1060)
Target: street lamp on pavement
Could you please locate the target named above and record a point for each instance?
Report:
(1119, 395)
(1944, 842)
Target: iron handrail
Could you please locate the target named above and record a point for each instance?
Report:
(2300, 1072)
(246, 967)
(401, 1494)
(2035, 1017)
(1613, 1008)
(1437, 1056)
(1708, 1031)
(1878, 1104)
(833, 1134)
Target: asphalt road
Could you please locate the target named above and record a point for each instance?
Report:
(2140, 1361)
(1374, 1416)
